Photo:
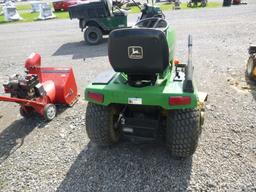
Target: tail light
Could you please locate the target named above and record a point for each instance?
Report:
(180, 100)
(96, 97)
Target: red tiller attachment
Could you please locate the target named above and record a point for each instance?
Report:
(63, 78)
(41, 88)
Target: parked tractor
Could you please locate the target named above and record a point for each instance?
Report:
(149, 94)
(98, 18)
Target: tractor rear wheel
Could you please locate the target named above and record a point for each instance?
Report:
(100, 125)
(251, 68)
(93, 35)
(183, 132)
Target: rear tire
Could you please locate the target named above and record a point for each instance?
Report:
(182, 132)
(93, 35)
(100, 125)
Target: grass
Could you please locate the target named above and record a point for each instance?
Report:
(62, 15)
(29, 17)
(23, 7)
(209, 5)
(167, 6)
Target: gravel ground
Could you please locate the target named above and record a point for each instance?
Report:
(58, 156)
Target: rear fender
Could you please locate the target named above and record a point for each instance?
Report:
(92, 23)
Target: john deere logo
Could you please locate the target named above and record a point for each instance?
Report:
(135, 52)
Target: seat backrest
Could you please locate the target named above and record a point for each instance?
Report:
(138, 51)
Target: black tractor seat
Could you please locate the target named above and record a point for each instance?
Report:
(141, 53)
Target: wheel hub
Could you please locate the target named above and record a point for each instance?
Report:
(51, 112)
(93, 36)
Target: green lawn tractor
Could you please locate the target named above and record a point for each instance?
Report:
(149, 96)
(98, 18)
(251, 63)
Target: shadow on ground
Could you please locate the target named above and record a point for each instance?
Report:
(81, 50)
(12, 137)
(127, 167)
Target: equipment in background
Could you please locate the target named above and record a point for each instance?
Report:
(227, 3)
(1, 11)
(62, 5)
(10, 12)
(41, 88)
(251, 63)
(236, 2)
(98, 18)
(45, 12)
(177, 4)
(195, 3)
(150, 95)
(35, 6)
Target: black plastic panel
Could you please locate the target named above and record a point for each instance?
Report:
(104, 78)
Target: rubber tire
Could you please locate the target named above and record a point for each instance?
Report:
(46, 108)
(96, 30)
(25, 114)
(249, 71)
(99, 125)
(182, 132)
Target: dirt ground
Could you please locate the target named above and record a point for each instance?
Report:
(58, 156)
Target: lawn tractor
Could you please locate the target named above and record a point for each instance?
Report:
(251, 63)
(150, 95)
(41, 88)
(194, 3)
(98, 18)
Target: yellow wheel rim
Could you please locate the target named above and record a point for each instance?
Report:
(254, 71)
